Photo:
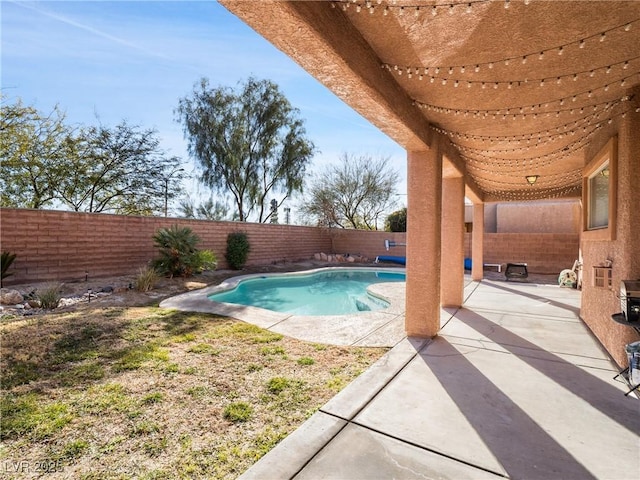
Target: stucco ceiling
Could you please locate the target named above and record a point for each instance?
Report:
(510, 88)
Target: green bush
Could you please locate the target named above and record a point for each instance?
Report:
(238, 248)
(179, 255)
(206, 260)
(6, 259)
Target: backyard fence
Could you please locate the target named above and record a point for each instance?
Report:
(64, 246)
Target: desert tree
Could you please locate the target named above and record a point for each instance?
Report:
(397, 221)
(351, 194)
(119, 169)
(248, 142)
(33, 152)
(209, 209)
(45, 163)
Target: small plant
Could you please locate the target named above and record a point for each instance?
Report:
(204, 348)
(277, 384)
(306, 361)
(49, 297)
(178, 253)
(6, 259)
(146, 279)
(152, 398)
(206, 260)
(238, 412)
(238, 248)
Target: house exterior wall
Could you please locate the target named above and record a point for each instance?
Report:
(598, 304)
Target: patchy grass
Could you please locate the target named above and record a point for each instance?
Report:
(146, 393)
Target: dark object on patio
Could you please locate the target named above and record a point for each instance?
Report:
(516, 270)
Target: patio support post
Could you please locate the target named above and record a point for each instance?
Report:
(452, 270)
(424, 213)
(477, 243)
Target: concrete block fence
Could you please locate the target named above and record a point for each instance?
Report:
(66, 246)
(542, 252)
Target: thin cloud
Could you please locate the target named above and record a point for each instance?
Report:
(87, 28)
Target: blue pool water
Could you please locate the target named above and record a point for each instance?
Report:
(332, 292)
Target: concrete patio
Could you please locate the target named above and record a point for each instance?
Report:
(514, 386)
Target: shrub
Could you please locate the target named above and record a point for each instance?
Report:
(146, 279)
(49, 297)
(237, 249)
(178, 252)
(207, 260)
(6, 259)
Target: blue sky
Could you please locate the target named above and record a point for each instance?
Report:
(132, 61)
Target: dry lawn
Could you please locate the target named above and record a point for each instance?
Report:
(140, 392)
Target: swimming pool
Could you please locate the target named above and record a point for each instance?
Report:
(325, 292)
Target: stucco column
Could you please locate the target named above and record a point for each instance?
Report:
(477, 243)
(452, 273)
(424, 211)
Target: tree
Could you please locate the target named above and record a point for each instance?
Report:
(33, 150)
(397, 221)
(249, 142)
(210, 209)
(353, 194)
(90, 169)
(120, 169)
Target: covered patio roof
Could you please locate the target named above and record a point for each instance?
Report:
(512, 87)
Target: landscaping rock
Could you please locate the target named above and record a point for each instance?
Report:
(10, 297)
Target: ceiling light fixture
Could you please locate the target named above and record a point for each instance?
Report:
(532, 179)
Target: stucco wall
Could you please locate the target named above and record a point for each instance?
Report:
(599, 304)
(561, 216)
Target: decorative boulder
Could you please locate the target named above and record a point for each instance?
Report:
(10, 297)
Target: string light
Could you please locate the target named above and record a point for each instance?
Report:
(417, 8)
(539, 136)
(541, 53)
(606, 69)
(494, 160)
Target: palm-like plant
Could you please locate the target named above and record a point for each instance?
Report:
(179, 254)
(6, 259)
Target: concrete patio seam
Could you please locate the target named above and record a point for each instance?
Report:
(379, 389)
(362, 339)
(421, 447)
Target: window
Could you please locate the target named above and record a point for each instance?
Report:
(599, 194)
(598, 208)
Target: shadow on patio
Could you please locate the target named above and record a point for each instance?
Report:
(515, 386)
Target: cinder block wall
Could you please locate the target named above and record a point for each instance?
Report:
(55, 245)
(367, 243)
(542, 252)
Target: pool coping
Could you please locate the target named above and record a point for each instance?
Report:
(380, 328)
